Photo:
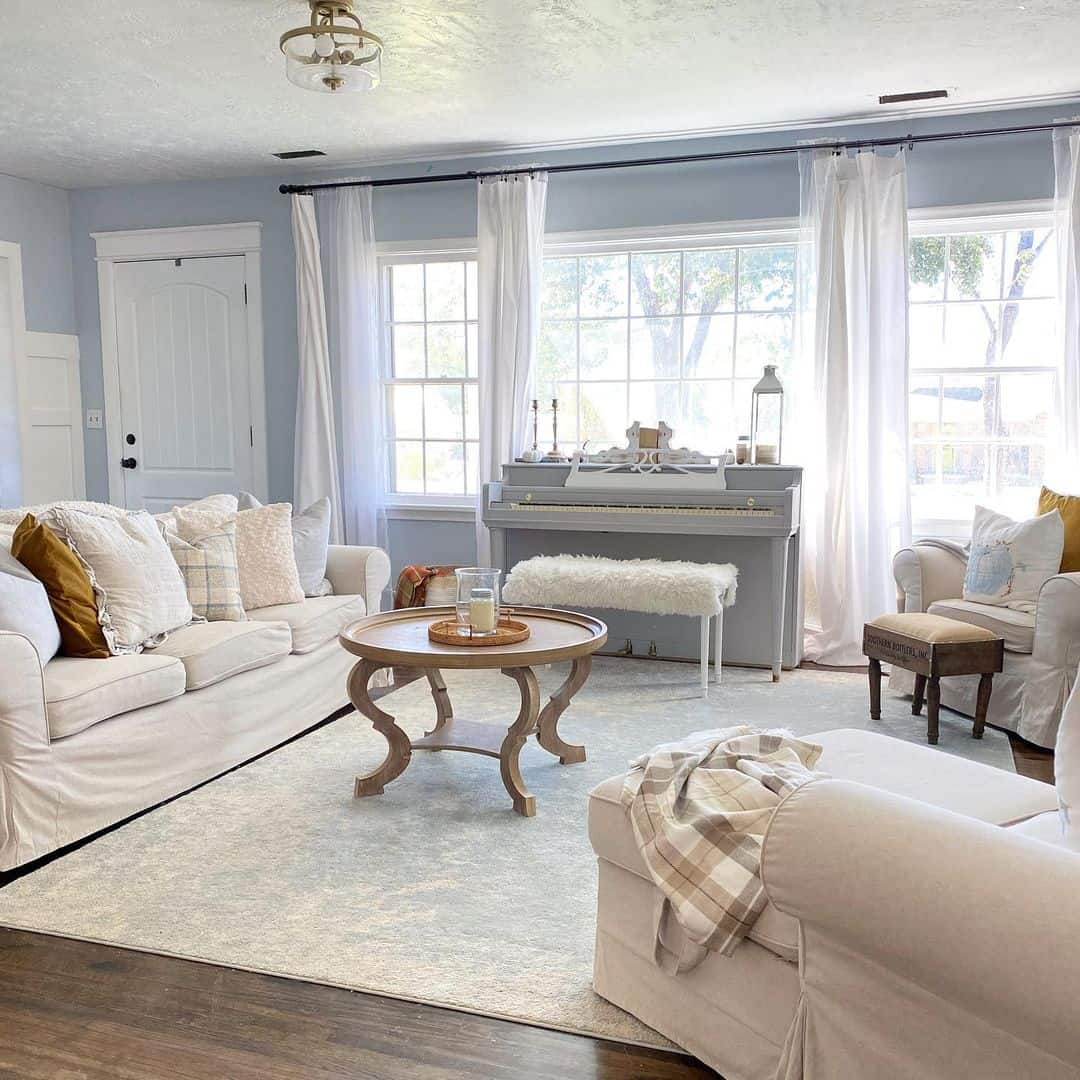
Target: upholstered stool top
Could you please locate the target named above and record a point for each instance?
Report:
(934, 629)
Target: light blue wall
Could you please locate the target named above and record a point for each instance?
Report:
(992, 170)
(35, 216)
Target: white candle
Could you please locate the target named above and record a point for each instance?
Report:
(482, 611)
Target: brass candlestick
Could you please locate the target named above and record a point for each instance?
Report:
(554, 454)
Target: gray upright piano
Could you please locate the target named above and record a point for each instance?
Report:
(751, 519)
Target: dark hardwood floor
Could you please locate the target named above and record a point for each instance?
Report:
(70, 1010)
(1031, 760)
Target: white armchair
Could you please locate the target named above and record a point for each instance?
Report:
(1042, 649)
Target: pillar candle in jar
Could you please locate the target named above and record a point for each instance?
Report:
(482, 611)
(766, 454)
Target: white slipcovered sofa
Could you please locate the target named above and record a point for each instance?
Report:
(922, 923)
(1042, 649)
(87, 743)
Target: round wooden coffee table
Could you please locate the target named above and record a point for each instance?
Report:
(400, 637)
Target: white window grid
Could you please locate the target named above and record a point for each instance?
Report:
(470, 445)
(738, 384)
(989, 225)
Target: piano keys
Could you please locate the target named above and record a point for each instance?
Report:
(751, 516)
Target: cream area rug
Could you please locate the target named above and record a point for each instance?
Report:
(434, 891)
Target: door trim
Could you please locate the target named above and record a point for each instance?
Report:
(182, 242)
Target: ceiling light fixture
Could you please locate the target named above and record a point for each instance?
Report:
(333, 53)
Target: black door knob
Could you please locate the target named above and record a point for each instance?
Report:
(128, 463)
(129, 439)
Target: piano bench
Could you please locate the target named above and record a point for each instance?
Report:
(652, 586)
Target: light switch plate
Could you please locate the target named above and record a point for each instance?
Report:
(94, 418)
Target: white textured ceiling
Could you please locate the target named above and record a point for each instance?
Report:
(105, 91)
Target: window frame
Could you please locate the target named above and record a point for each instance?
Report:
(764, 232)
(956, 220)
(389, 255)
(682, 237)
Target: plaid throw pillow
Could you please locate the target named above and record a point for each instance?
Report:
(208, 564)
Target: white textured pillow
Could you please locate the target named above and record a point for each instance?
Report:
(1010, 561)
(218, 504)
(25, 607)
(139, 590)
(264, 551)
(311, 537)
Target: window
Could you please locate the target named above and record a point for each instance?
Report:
(982, 358)
(674, 335)
(431, 387)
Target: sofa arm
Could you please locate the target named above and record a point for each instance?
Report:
(904, 908)
(926, 572)
(28, 790)
(1057, 622)
(359, 571)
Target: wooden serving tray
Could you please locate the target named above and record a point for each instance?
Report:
(507, 632)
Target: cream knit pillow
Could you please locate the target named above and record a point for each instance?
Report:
(264, 551)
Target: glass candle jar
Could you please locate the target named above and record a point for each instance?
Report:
(477, 600)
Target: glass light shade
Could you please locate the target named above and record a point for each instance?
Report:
(767, 419)
(308, 70)
(477, 604)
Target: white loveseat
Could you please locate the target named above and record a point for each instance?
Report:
(1042, 649)
(922, 923)
(87, 743)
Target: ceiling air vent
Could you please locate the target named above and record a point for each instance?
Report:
(918, 95)
(292, 155)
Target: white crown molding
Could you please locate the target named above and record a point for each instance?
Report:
(180, 241)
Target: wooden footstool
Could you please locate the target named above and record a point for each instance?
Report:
(932, 646)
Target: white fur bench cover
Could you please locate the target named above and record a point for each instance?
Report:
(652, 585)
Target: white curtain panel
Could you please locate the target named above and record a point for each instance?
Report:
(1063, 468)
(852, 398)
(510, 260)
(315, 462)
(352, 308)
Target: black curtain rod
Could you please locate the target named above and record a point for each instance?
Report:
(679, 159)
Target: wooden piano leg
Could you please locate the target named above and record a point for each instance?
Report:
(718, 646)
(704, 655)
(779, 591)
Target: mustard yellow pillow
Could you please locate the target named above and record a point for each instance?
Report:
(71, 595)
(1068, 506)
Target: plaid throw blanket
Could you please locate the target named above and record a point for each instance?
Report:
(699, 809)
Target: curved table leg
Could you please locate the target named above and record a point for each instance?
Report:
(400, 749)
(548, 735)
(516, 736)
(439, 694)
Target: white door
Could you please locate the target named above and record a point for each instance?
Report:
(50, 419)
(185, 398)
